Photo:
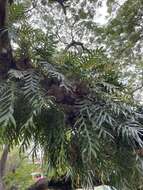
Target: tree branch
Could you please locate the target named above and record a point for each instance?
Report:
(138, 88)
(3, 160)
(77, 43)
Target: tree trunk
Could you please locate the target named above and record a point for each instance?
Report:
(5, 47)
(5, 63)
(3, 165)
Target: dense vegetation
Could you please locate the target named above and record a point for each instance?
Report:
(68, 86)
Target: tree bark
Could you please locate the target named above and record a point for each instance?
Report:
(6, 60)
(3, 165)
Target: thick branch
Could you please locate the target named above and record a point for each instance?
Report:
(135, 90)
(3, 160)
(77, 43)
(3, 13)
(61, 2)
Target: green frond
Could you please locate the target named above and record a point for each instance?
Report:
(7, 105)
(34, 92)
(109, 116)
(17, 74)
(31, 83)
(16, 13)
(131, 131)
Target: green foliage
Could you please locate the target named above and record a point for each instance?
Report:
(16, 13)
(19, 171)
(106, 120)
(34, 44)
(125, 30)
(74, 105)
(85, 67)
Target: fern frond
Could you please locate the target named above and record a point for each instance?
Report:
(34, 92)
(7, 105)
(131, 131)
(109, 117)
(13, 73)
(26, 133)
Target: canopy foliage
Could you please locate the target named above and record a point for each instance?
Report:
(63, 89)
